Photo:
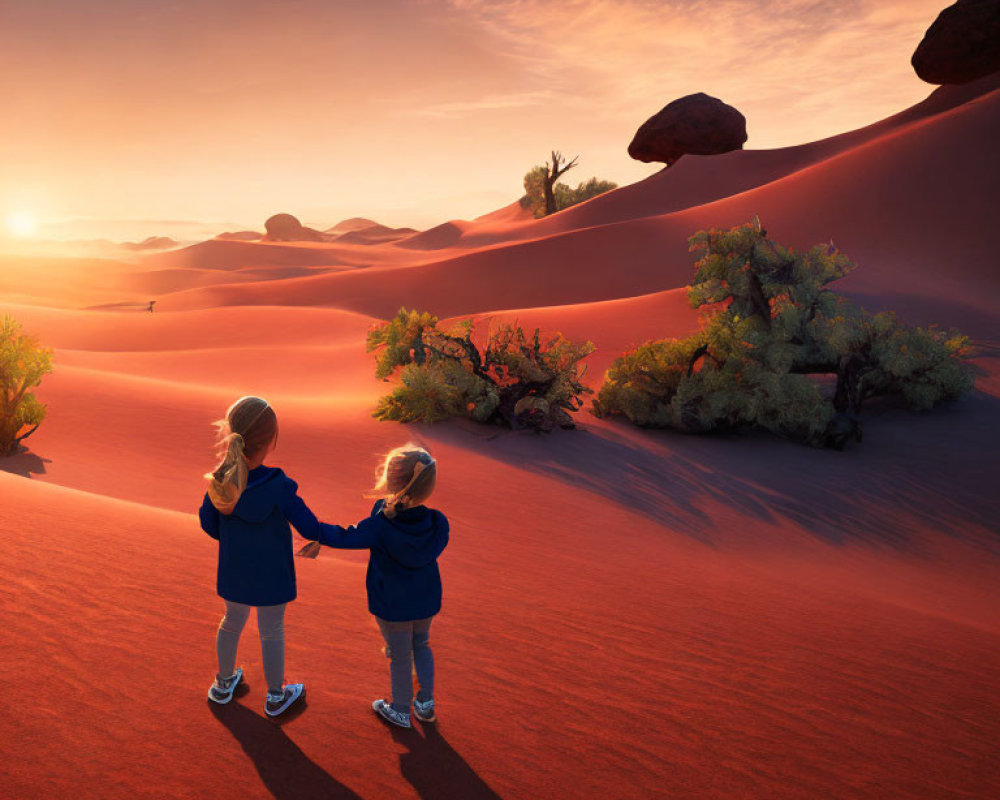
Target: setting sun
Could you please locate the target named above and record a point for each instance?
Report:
(21, 224)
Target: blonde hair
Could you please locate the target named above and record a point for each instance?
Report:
(406, 477)
(249, 426)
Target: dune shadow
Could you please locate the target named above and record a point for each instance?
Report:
(933, 467)
(122, 306)
(927, 309)
(24, 463)
(287, 772)
(435, 770)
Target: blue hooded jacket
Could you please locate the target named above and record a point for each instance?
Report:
(403, 579)
(256, 566)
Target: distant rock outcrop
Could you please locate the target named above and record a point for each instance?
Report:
(152, 243)
(352, 224)
(374, 234)
(240, 236)
(286, 228)
(962, 44)
(697, 124)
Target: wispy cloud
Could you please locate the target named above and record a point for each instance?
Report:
(783, 63)
(224, 109)
(493, 102)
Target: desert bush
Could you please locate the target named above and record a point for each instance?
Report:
(543, 194)
(772, 333)
(22, 364)
(508, 378)
(534, 191)
(566, 197)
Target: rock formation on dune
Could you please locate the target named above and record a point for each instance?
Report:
(151, 243)
(286, 228)
(240, 236)
(352, 224)
(697, 124)
(374, 234)
(962, 44)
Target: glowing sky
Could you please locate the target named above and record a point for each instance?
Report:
(139, 114)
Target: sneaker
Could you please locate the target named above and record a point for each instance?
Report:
(424, 711)
(221, 691)
(279, 703)
(389, 714)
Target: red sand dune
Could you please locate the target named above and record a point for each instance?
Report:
(628, 613)
(352, 224)
(883, 202)
(60, 282)
(374, 234)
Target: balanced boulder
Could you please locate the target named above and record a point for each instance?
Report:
(696, 124)
(962, 44)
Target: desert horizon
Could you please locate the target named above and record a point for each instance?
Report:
(264, 114)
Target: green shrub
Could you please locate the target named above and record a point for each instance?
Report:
(510, 378)
(567, 196)
(773, 330)
(564, 195)
(22, 365)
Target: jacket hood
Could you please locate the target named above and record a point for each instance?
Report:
(262, 495)
(414, 537)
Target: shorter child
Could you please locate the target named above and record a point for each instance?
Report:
(404, 584)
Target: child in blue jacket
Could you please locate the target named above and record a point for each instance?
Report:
(403, 581)
(248, 508)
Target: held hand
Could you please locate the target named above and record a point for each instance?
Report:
(309, 550)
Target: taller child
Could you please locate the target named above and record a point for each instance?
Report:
(248, 508)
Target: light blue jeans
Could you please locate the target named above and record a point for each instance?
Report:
(407, 645)
(270, 625)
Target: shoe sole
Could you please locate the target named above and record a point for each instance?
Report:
(297, 692)
(230, 693)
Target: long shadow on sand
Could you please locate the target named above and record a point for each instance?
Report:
(935, 468)
(435, 770)
(286, 771)
(25, 463)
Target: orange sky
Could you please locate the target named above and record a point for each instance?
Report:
(125, 118)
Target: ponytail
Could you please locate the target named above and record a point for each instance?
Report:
(396, 500)
(227, 483)
(249, 425)
(407, 477)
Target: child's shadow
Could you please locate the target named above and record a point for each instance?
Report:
(435, 770)
(286, 771)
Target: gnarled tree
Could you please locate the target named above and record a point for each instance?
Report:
(508, 378)
(544, 195)
(22, 364)
(779, 350)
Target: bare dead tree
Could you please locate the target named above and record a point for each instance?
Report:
(553, 172)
